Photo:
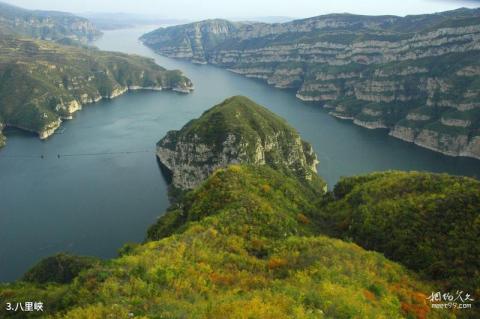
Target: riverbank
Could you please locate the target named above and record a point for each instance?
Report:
(75, 106)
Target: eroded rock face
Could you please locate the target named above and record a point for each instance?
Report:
(235, 131)
(445, 143)
(68, 109)
(417, 70)
(2, 137)
(47, 25)
(44, 83)
(457, 144)
(473, 148)
(49, 129)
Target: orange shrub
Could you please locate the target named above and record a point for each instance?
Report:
(369, 295)
(274, 263)
(417, 311)
(303, 219)
(222, 279)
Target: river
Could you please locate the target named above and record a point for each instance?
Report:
(80, 198)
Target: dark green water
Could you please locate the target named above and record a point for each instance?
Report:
(94, 204)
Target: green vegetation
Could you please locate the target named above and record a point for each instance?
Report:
(393, 64)
(238, 115)
(237, 130)
(246, 249)
(61, 268)
(283, 199)
(42, 82)
(251, 242)
(213, 32)
(47, 25)
(428, 222)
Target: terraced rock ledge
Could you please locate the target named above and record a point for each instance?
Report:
(44, 83)
(418, 77)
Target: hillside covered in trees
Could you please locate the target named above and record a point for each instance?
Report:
(252, 241)
(43, 83)
(249, 249)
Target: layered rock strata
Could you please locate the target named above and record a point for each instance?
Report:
(416, 76)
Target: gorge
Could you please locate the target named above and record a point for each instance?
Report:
(256, 240)
(416, 76)
(239, 199)
(90, 191)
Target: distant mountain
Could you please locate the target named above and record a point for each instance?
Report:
(416, 76)
(194, 41)
(112, 21)
(42, 83)
(46, 25)
(270, 19)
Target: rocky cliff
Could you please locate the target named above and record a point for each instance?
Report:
(236, 131)
(2, 137)
(417, 76)
(42, 83)
(46, 25)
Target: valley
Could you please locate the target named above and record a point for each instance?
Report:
(415, 77)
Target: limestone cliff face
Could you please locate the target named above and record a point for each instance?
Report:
(2, 137)
(49, 129)
(415, 76)
(199, 38)
(70, 108)
(235, 131)
(452, 144)
(42, 83)
(46, 25)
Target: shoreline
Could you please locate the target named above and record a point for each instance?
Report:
(55, 125)
(311, 99)
(373, 127)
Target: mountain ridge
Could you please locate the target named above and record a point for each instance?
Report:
(43, 83)
(46, 25)
(417, 77)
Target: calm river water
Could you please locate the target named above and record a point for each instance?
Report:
(93, 204)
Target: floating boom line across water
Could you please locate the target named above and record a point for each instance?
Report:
(43, 156)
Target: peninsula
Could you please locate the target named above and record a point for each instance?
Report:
(236, 131)
(43, 83)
